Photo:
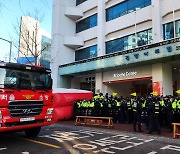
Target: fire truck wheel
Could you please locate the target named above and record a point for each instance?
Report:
(33, 132)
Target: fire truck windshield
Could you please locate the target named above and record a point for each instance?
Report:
(21, 79)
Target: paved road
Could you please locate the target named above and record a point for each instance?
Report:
(65, 139)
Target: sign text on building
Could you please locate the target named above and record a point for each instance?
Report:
(124, 74)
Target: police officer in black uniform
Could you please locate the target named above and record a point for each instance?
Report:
(169, 114)
(154, 108)
(137, 109)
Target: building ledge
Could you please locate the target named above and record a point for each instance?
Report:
(73, 13)
(73, 42)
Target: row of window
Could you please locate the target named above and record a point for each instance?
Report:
(125, 43)
(112, 13)
(125, 7)
(170, 30)
(129, 42)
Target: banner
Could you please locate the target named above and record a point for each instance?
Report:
(157, 88)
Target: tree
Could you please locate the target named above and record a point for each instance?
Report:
(1, 5)
(29, 43)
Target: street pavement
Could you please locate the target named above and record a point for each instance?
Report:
(69, 139)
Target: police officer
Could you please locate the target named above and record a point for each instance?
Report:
(169, 114)
(91, 107)
(105, 107)
(154, 108)
(117, 110)
(137, 109)
(97, 106)
(110, 114)
(77, 108)
(128, 110)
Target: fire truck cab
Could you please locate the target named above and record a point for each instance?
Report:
(25, 98)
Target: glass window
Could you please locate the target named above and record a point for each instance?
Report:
(93, 51)
(125, 7)
(116, 11)
(86, 23)
(144, 37)
(147, 3)
(168, 31)
(177, 28)
(79, 2)
(93, 21)
(20, 79)
(86, 53)
(129, 42)
(120, 44)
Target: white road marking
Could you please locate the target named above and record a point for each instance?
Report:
(153, 152)
(171, 147)
(1, 149)
(85, 146)
(25, 152)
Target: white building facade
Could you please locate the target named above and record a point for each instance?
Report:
(121, 46)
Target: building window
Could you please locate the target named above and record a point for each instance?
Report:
(168, 31)
(86, 53)
(79, 2)
(177, 28)
(125, 7)
(144, 37)
(86, 23)
(120, 44)
(129, 42)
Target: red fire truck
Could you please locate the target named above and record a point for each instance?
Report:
(25, 98)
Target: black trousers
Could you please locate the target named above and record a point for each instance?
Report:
(137, 121)
(129, 116)
(170, 120)
(154, 123)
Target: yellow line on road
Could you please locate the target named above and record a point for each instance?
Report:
(43, 143)
(35, 141)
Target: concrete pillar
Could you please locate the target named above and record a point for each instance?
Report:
(162, 78)
(157, 21)
(101, 27)
(99, 83)
(60, 54)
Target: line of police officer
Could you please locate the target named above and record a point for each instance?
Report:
(154, 111)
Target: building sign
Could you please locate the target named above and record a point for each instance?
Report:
(116, 75)
(131, 73)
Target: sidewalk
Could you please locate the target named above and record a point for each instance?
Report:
(124, 127)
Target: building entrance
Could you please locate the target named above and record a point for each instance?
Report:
(88, 84)
(142, 88)
(125, 88)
